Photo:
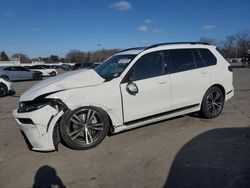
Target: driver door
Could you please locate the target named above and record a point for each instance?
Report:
(146, 88)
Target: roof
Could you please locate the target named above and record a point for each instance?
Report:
(138, 50)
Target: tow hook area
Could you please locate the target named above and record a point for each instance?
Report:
(56, 136)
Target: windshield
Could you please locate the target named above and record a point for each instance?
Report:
(114, 66)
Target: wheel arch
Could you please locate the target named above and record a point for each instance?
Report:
(220, 87)
(56, 136)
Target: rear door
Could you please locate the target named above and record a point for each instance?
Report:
(14, 73)
(153, 86)
(24, 74)
(189, 78)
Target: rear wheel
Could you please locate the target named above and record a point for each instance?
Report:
(53, 73)
(84, 128)
(37, 75)
(212, 103)
(3, 90)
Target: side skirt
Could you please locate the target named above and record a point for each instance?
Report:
(156, 118)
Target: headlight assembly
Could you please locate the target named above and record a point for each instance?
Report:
(29, 106)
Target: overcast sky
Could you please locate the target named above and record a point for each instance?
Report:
(45, 27)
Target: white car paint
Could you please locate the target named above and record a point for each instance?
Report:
(45, 71)
(142, 105)
(156, 95)
(76, 79)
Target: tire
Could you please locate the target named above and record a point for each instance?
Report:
(76, 124)
(37, 75)
(3, 90)
(53, 73)
(212, 103)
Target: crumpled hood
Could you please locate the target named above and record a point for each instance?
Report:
(69, 80)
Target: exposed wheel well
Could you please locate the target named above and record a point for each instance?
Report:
(221, 88)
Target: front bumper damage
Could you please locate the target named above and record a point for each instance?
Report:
(38, 126)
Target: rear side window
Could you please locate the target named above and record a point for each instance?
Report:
(208, 57)
(7, 69)
(182, 60)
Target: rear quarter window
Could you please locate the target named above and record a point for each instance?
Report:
(208, 57)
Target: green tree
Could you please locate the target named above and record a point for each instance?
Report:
(242, 42)
(3, 56)
(54, 59)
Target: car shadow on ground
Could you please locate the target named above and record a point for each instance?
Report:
(46, 176)
(217, 158)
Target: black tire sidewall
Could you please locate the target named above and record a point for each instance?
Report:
(53, 73)
(206, 114)
(5, 89)
(67, 140)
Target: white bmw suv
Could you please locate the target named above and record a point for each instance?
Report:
(132, 88)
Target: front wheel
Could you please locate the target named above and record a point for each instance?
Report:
(212, 103)
(3, 90)
(84, 128)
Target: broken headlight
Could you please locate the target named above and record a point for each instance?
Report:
(29, 106)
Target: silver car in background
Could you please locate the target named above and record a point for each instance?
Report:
(15, 73)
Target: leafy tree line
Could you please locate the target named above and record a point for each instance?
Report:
(22, 57)
(234, 46)
(77, 56)
(73, 56)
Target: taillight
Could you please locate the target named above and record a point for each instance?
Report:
(230, 68)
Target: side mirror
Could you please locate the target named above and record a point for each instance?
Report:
(132, 88)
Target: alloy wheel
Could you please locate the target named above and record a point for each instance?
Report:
(214, 102)
(3, 90)
(85, 126)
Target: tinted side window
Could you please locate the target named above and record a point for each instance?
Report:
(7, 69)
(11, 69)
(18, 69)
(148, 66)
(25, 69)
(208, 57)
(198, 59)
(182, 60)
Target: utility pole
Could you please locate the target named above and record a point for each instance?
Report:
(99, 58)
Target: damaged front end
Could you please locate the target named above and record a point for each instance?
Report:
(38, 120)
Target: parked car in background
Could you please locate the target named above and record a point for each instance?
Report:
(37, 75)
(132, 88)
(85, 66)
(46, 70)
(66, 67)
(5, 87)
(246, 59)
(15, 73)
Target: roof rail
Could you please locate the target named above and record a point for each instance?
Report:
(136, 48)
(171, 43)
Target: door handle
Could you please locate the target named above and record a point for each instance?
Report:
(162, 82)
(204, 72)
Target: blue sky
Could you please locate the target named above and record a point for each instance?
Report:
(45, 27)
